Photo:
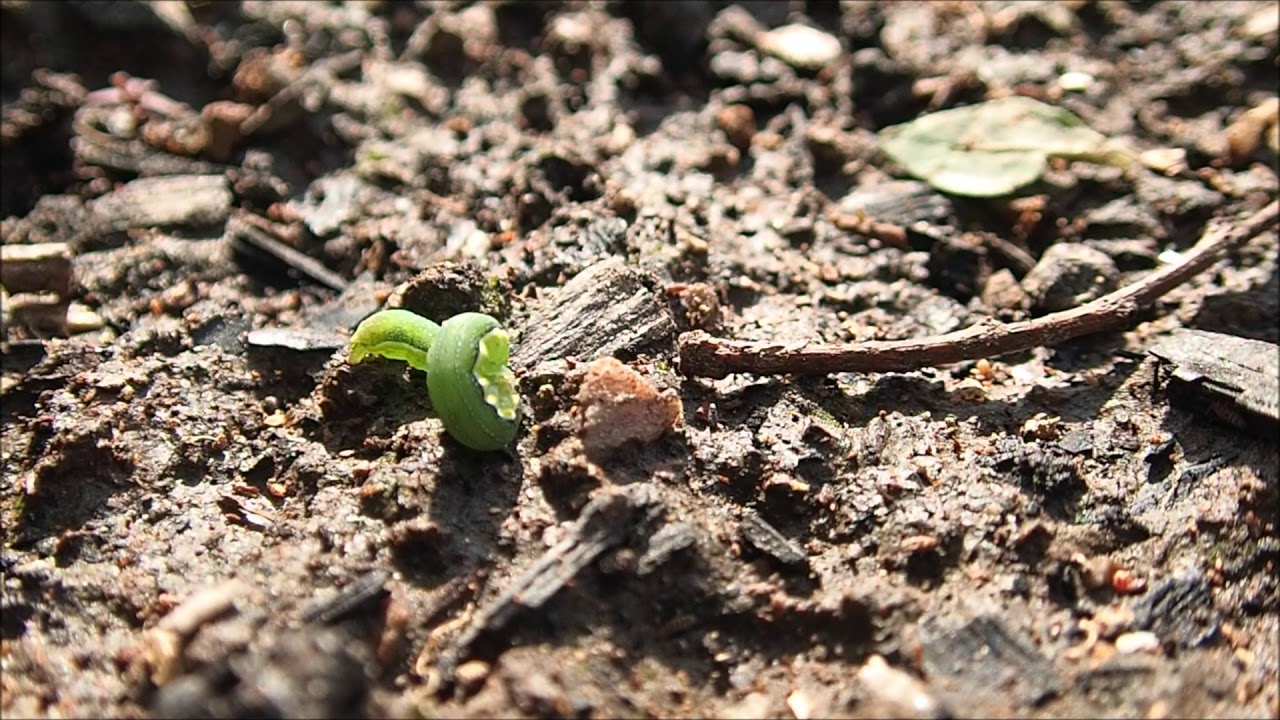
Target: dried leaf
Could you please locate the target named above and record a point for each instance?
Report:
(994, 148)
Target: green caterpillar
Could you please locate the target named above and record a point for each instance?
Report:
(472, 388)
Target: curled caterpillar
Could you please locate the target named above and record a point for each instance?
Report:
(471, 386)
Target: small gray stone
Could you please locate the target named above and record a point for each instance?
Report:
(1069, 275)
(1004, 295)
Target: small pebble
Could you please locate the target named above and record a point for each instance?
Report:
(800, 704)
(1096, 571)
(1248, 131)
(904, 693)
(1069, 275)
(1165, 160)
(1142, 641)
(970, 390)
(1075, 81)
(1003, 294)
(471, 675)
(1128, 583)
(738, 123)
(801, 46)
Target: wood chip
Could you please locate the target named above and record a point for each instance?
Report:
(1231, 379)
(605, 523)
(38, 267)
(766, 538)
(607, 309)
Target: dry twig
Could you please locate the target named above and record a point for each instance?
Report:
(703, 355)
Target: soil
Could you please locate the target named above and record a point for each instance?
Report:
(207, 511)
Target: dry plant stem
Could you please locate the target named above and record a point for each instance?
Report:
(703, 355)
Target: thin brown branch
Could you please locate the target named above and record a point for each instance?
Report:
(703, 355)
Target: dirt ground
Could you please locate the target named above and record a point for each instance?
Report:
(208, 512)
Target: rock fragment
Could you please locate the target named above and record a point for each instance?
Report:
(801, 46)
(617, 405)
(1069, 275)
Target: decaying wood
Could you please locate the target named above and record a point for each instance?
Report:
(607, 309)
(44, 313)
(38, 267)
(1234, 379)
(197, 200)
(766, 538)
(986, 652)
(606, 522)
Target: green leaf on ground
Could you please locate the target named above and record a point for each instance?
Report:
(994, 148)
